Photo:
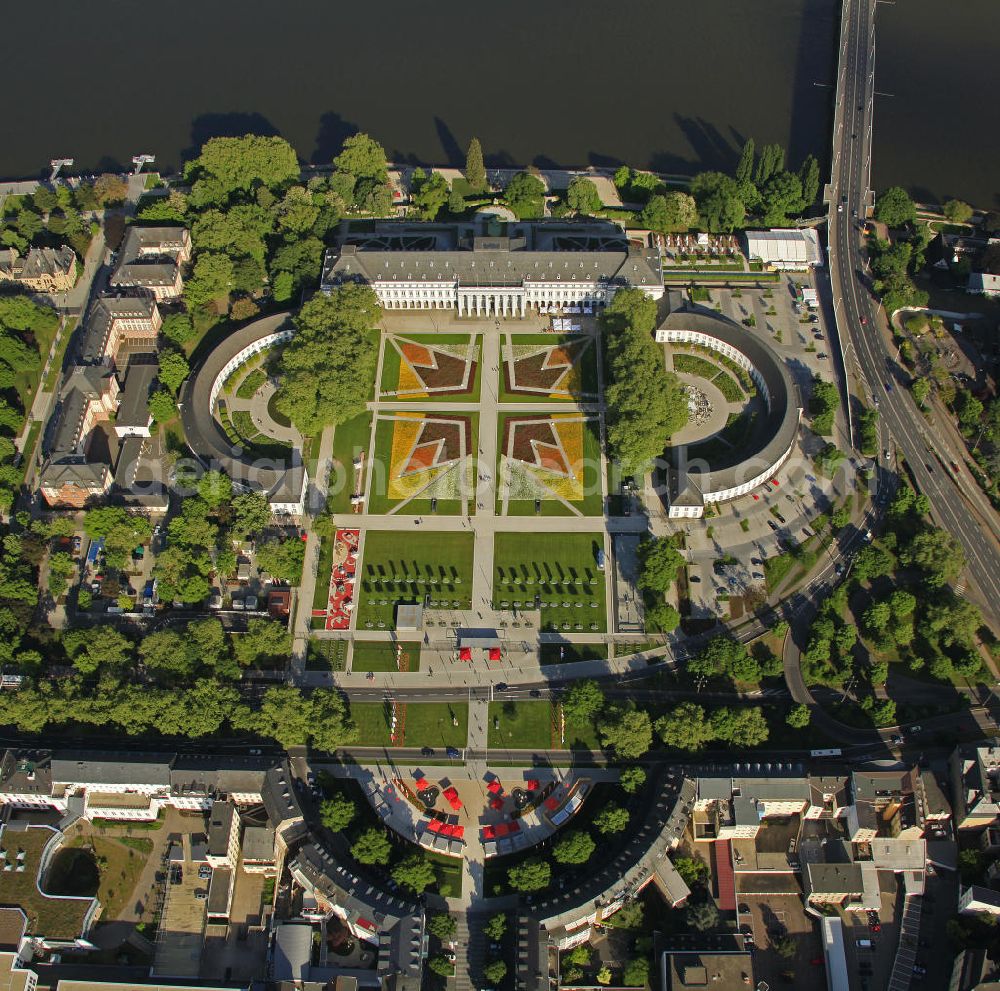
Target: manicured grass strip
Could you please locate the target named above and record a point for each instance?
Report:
(404, 568)
(559, 568)
(520, 725)
(349, 438)
(568, 653)
(424, 724)
(743, 278)
(728, 387)
(381, 655)
(326, 654)
(251, 383)
(693, 365)
(323, 571)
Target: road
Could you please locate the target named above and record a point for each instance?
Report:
(860, 321)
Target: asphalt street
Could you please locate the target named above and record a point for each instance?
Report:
(860, 321)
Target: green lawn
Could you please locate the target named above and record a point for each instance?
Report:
(449, 873)
(323, 571)
(400, 568)
(561, 568)
(568, 653)
(349, 438)
(523, 725)
(424, 724)
(391, 362)
(587, 368)
(381, 655)
(592, 503)
(326, 654)
(379, 501)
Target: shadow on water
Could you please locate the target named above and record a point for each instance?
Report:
(333, 132)
(231, 124)
(454, 155)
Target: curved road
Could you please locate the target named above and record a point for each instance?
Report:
(859, 316)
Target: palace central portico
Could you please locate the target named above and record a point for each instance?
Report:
(538, 265)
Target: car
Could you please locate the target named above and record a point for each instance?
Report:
(916, 729)
(822, 356)
(176, 876)
(694, 578)
(756, 498)
(758, 576)
(875, 927)
(77, 544)
(885, 454)
(929, 466)
(201, 895)
(204, 872)
(772, 525)
(255, 752)
(535, 693)
(896, 739)
(840, 208)
(888, 386)
(426, 751)
(501, 686)
(864, 321)
(756, 560)
(919, 971)
(453, 752)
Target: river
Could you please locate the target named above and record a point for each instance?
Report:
(675, 86)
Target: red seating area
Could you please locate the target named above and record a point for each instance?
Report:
(340, 601)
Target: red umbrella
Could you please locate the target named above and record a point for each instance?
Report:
(494, 787)
(422, 783)
(496, 803)
(465, 654)
(458, 832)
(488, 833)
(532, 784)
(494, 653)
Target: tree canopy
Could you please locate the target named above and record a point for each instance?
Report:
(530, 875)
(893, 207)
(228, 165)
(475, 171)
(525, 195)
(582, 195)
(575, 846)
(329, 365)
(625, 730)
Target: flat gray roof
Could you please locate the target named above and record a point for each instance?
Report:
(134, 408)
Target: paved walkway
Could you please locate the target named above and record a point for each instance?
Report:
(307, 588)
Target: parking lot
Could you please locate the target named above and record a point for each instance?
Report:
(180, 937)
(869, 966)
(772, 918)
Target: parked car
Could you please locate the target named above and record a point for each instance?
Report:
(453, 752)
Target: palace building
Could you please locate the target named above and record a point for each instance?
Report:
(548, 266)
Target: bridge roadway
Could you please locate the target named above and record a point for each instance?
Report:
(861, 323)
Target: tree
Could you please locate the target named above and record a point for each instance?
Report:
(744, 168)
(229, 165)
(178, 328)
(969, 409)
(603, 976)
(662, 616)
(264, 643)
(575, 847)
(921, 389)
(740, 727)
(162, 406)
(582, 195)
(625, 730)
(583, 700)
(630, 916)
(282, 558)
(216, 488)
(530, 875)
(771, 160)
(612, 818)
(692, 870)
(363, 157)
(167, 653)
(372, 847)
(781, 196)
(798, 716)
(329, 365)
(456, 201)
(415, 872)
(894, 207)
(110, 190)
(211, 280)
(429, 193)
(702, 915)
(475, 171)
(785, 946)
(251, 513)
(937, 554)
(496, 926)
(122, 531)
(525, 195)
(495, 971)
(720, 205)
(958, 212)
(444, 926)
(632, 779)
(667, 212)
(636, 973)
(809, 178)
(441, 966)
(102, 647)
(659, 560)
(686, 728)
(645, 404)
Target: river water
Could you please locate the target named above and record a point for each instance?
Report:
(672, 85)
